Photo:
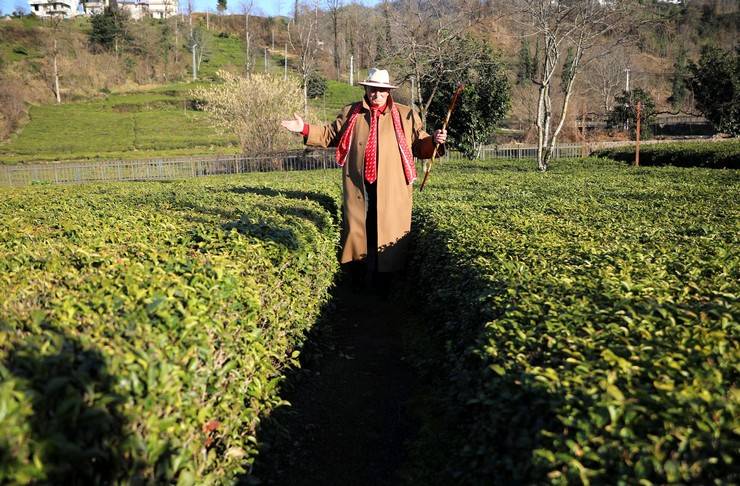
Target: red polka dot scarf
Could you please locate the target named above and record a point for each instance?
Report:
(371, 152)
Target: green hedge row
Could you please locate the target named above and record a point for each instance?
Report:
(144, 327)
(716, 155)
(588, 318)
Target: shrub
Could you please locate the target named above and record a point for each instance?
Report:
(716, 86)
(316, 85)
(624, 112)
(252, 108)
(717, 155)
(141, 334)
(587, 322)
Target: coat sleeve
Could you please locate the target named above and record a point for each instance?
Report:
(327, 135)
(423, 144)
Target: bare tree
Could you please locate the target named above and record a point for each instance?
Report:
(55, 22)
(424, 47)
(246, 7)
(334, 7)
(589, 29)
(605, 78)
(303, 39)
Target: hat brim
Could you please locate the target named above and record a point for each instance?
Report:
(377, 85)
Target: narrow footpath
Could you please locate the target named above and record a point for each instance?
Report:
(351, 418)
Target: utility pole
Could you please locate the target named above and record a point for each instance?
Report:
(272, 33)
(637, 145)
(351, 70)
(195, 74)
(265, 59)
(285, 71)
(627, 86)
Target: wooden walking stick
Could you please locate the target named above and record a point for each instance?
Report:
(457, 94)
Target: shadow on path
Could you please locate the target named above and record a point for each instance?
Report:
(351, 416)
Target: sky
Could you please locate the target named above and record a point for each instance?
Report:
(264, 7)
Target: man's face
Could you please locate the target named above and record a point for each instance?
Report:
(377, 96)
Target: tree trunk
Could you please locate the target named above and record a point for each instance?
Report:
(541, 164)
(544, 106)
(305, 96)
(566, 98)
(337, 67)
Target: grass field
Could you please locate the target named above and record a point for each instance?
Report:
(136, 125)
(125, 126)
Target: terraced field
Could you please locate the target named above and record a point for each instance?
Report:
(578, 326)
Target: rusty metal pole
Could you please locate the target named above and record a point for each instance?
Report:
(637, 145)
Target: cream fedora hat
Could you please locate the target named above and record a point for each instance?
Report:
(378, 78)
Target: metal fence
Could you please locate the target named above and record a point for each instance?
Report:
(188, 167)
(161, 169)
(522, 151)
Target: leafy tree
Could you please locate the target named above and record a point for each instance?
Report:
(679, 83)
(716, 85)
(525, 65)
(624, 113)
(110, 29)
(484, 101)
(568, 71)
(316, 85)
(221, 6)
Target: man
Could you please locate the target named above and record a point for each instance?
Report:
(377, 140)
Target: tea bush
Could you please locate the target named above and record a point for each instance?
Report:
(144, 327)
(716, 155)
(589, 323)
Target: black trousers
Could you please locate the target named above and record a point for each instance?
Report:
(371, 227)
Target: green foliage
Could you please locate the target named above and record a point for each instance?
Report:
(221, 5)
(338, 95)
(526, 65)
(716, 155)
(316, 85)
(567, 74)
(679, 80)
(110, 29)
(716, 86)
(484, 102)
(624, 113)
(589, 322)
(128, 126)
(144, 328)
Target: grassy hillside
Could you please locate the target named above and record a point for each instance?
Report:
(127, 126)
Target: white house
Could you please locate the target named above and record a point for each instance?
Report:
(62, 8)
(159, 9)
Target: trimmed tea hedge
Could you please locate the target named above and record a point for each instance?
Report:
(589, 317)
(715, 155)
(144, 327)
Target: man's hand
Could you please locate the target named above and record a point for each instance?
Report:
(440, 136)
(295, 125)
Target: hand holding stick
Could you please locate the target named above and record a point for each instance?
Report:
(457, 94)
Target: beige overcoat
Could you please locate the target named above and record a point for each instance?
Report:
(394, 195)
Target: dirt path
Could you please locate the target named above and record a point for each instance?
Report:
(351, 415)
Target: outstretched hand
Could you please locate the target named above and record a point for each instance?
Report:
(295, 125)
